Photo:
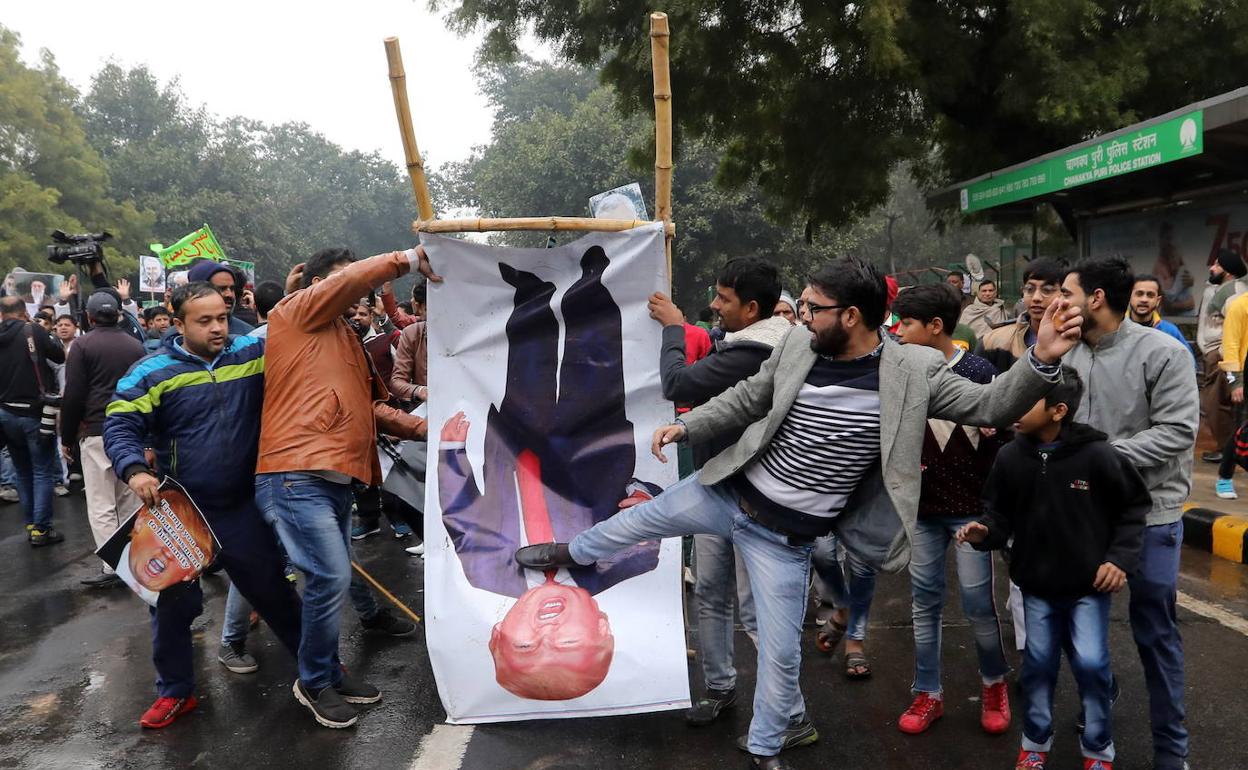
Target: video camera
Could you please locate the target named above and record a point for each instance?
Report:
(82, 249)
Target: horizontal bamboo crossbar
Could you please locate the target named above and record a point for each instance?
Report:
(543, 224)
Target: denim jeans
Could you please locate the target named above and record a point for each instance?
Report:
(1082, 625)
(778, 568)
(1154, 624)
(312, 517)
(932, 538)
(8, 477)
(34, 465)
(844, 585)
(722, 586)
(237, 621)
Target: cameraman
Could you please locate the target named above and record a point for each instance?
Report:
(25, 377)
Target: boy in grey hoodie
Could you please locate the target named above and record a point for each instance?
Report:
(1141, 392)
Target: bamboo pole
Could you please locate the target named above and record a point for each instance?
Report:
(659, 37)
(542, 224)
(403, 111)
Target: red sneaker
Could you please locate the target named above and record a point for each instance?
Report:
(922, 712)
(1031, 760)
(1097, 764)
(995, 714)
(165, 710)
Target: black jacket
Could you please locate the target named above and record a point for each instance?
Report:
(1069, 510)
(96, 361)
(19, 388)
(695, 384)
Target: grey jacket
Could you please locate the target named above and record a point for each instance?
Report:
(1140, 390)
(915, 384)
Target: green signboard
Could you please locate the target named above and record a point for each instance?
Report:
(1164, 142)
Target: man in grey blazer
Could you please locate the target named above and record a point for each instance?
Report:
(833, 431)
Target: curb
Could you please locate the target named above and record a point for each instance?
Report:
(1222, 535)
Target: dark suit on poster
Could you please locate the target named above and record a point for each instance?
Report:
(579, 433)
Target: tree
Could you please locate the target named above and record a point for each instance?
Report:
(817, 102)
(50, 177)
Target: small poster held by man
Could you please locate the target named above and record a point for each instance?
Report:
(161, 548)
(151, 275)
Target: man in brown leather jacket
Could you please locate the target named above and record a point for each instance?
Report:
(323, 406)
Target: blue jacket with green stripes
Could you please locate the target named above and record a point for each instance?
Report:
(202, 419)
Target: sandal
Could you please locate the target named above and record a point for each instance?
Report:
(827, 639)
(857, 666)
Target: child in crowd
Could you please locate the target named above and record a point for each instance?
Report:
(1075, 509)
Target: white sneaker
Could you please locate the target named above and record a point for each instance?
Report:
(9, 495)
(61, 490)
(75, 477)
(416, 550)
(1225, 489)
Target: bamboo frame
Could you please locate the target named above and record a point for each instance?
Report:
(659, 38)
(427, 223)
(543, 224)
(403, 112)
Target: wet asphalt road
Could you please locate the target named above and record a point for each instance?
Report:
(75, 675)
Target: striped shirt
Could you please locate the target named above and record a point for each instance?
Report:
(827, 442)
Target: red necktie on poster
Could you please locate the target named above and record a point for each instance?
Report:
(537, 527)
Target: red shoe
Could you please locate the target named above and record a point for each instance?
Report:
(995, 714)
(1097, 764)
(1032, 760)
(922, 712)
(165, 710)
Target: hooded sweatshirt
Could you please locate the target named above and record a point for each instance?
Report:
(1070, 507)
(19, 386)
(1140, 390)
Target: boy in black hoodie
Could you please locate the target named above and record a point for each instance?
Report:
(1075, 509)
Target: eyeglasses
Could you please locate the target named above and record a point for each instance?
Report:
(1048, 290)
(810, 308)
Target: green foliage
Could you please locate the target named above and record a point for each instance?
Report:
(50, 176)
(557, 141)
(817, 102)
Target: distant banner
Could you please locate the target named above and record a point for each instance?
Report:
(201, 244)
(543, 370)
(248, 268)
(159, 550)
(151, 275)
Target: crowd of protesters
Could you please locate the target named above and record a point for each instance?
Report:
(857, 428)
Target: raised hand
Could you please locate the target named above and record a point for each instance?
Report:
(294, 280)
(123, 288)
(456, 428)
(1059, 331)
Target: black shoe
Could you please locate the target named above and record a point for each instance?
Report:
(385, 623)
(356, 690)
(328, 707)
(1211, 457)
(546, 556)
(797, 734)
(1081, 722)
(709, 708)
(102, 580)
(768, 763)
(41, 537)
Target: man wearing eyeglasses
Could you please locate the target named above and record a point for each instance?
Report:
(1042, 283)
(833, 434)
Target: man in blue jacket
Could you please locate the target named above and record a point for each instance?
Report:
(197, 403)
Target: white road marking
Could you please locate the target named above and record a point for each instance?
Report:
(443, 748)
(1214, 612)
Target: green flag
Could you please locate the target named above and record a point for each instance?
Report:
(201, 244)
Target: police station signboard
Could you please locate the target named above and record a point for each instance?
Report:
(1164, 142)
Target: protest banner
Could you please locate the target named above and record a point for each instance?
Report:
(36, 289)
(151, 275)
(248, 268)
(201, 244)
(161, 549)
(547, 362)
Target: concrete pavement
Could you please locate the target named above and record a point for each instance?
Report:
(75, 675)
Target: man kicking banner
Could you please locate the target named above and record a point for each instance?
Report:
(549, 359)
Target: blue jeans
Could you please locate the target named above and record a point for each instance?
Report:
(849, 585)
(237, 621)
(778, 569)
(932, 537)
(34, 464)
(8, 477)
(312, 517)
(720, 588)
(1081, 625)
(1154, 623)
